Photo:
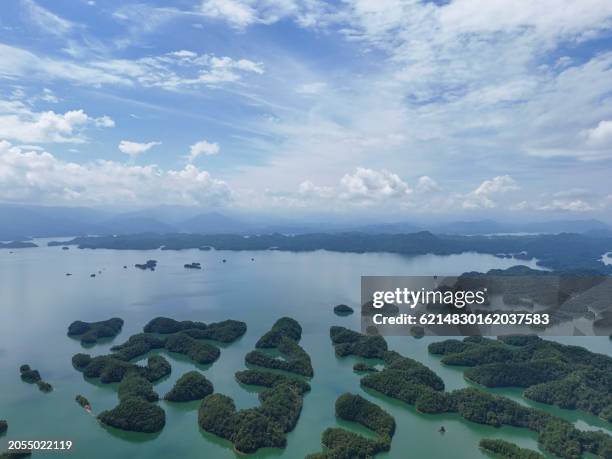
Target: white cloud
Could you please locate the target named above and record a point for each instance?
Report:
(48, 96)
(168, 71)
(426, 184)
(202, 148)
(368, 185)
(18, 122)
(243, 13)
(45, 19)
(483, 196)
(600, 136)
(40, 177)
(576, 205)
(134, 149)
(234, 11)
(308, 189)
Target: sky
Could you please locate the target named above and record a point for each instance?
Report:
(392, 109)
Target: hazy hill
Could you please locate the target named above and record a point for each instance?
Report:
(20, 222)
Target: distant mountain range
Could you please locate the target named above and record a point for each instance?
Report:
(22, 222)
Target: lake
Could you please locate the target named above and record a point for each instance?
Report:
(38, 302)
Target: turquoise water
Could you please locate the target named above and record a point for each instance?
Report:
(38, 302)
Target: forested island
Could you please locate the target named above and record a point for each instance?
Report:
(193, 385)
(91, 332)
(562, 252)
(412, 382)
(341, 443)
(281, 401)
(552, 373)
(33, 377)
(349, 342)
(226, 331)
(506, 450)
(136, 411)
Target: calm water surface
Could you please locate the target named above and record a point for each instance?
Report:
(38, 302)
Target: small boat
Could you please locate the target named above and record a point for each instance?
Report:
(87, 408)
(441, 429)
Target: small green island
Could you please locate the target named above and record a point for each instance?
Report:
(343, 310)
(91, 332)
(3, 426)
(226, 331)
(136, 411)
(193, 385)
(82, 401)
(341, 443)
(31, 376)
(506, 450)
(348, 342)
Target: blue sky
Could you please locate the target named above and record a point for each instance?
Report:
(390, 108)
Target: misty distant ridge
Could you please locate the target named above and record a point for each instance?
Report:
(20, 222)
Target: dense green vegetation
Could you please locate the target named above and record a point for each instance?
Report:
(82, 401)
(285, 326)
(28, 375)
(553, 373)
(281, 403)
(90, 332)
(138, 345)
(226, 331)
(507, 450)
(343, 444)
(296, 359)
(251, 429)
(411, 382)
(111, 369)
(3, 426)
(193, 385)
(268, 379)
(44, 386)
(134, 385)
(349, 342)
(559, 252)
(135, 411)
(166, 325)
(348, 445)
(355, 408)
(343, 310)
(33, 377)
(136, 415)
(197, 351)
(181, 343)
